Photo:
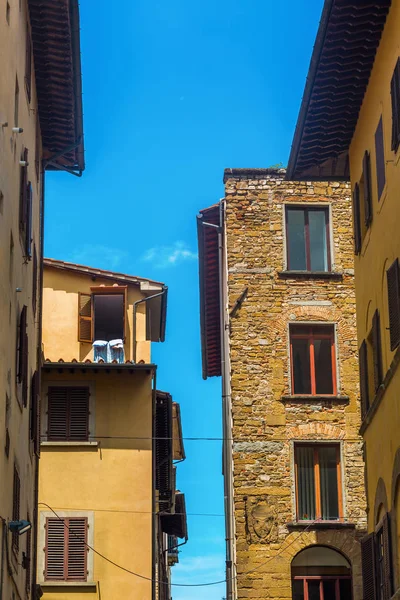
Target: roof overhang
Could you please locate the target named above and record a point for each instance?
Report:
(344, 52)
(75, 367)
(56, 52)
(209, 278)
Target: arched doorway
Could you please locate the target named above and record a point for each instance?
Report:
(321, 573)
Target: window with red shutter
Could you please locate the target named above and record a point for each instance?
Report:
(367, 189)
(16, 507)
(163, 451)
(364, 384)
(380, 159)
(68, 414)
(66, 549)
(377, 350)
(393, 286)
(368, 567)
(395, 97)
(356, 219)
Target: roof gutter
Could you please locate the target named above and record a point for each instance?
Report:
(305, 102)
(76, 58)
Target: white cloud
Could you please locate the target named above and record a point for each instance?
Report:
(169, 256)
(97, 255)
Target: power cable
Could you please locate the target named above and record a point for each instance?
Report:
(208, 584)
(140, 512)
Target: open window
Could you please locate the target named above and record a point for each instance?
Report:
(102, 314)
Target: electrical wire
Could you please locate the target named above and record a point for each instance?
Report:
(139, 512)
(189, 439)
(189, 585)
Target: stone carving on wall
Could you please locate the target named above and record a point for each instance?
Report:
(261, 520)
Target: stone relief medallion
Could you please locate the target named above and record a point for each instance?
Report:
(261, 520)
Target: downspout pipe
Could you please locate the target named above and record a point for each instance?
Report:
(135, 305)
(227, 459)
(153, 493)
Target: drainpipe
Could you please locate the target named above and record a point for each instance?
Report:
(153, 490)
(135, 304)
(227, 460)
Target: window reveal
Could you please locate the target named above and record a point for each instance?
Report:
(318, 481)
(66, 550)
(307, 233)
(68, 414)
(102, 314)
(312, 359)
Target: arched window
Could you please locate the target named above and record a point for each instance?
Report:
(321, 573)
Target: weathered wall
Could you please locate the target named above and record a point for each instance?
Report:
(265, 425)
(16, 274)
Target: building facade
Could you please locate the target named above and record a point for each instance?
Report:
(40, 117)
(107, 497)
(367, 141)
(278, 323)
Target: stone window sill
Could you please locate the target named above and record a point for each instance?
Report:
(316, 398)
(319, 525)
(310, 275)
(85, 584)
(71, 444)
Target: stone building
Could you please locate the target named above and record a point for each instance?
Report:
(40, 129)
(278, 324)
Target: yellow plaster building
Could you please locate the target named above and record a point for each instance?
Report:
(107, 495)
(349, 128)
(40, 129)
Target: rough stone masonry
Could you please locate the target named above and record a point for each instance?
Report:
(267, 418)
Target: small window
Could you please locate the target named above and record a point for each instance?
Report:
(380, 159)
(102, 314)
(318, 482)
(357, 219)
(66, 549)
(16, 507)
(22, 358)
(23, 194)
(377, 563)
(395, 96)
(312, 350)
(393, 286)
(68, 414)
(307, 234)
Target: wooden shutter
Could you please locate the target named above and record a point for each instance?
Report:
(163, 451)
(22, 375)
(55, 549)
(28, 62)
(35, 414)
(78, 409)
(394, 303)
(23, 191)
(364, 389)
(77, 549)
(57, 417)
(367, 188)
(28, 558)
(34, 279)
(85, 318)
(28, 225)
(356, 219)
(380, 159)
(395, 96)
(68, 414)
(377, 349)
(16, 506)
(387, 558)
(368, 567)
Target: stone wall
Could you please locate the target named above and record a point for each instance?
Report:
(266, 418)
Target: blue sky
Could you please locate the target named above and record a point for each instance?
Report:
(173, 93)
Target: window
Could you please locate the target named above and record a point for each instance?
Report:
(395, 96)
(307, 234)
(28, 224)
(376, 559)
(23, 193)
(318, 482)
(16, 507)
(28, 62)
(34, 279)
(8, 13)
(102, 314)
(357, 219)
(370, 365)
(380, 159)
(321, 573)
(27, 558)
(312, 349)
(66, 549)
(393, 286)
(68, 414)
(22, 360)
(34, 416)
(367, 189)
